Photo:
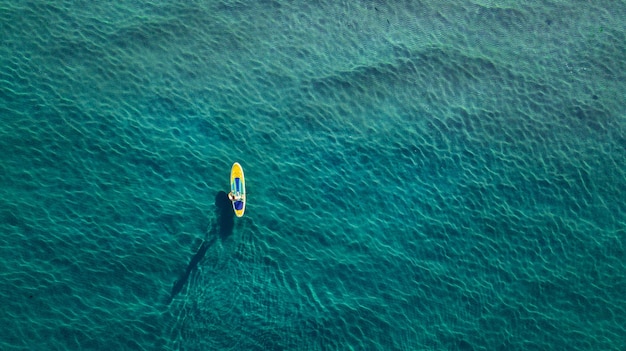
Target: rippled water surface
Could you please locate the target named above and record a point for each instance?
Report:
(420, 176)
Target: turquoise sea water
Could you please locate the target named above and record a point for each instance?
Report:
(425, 175)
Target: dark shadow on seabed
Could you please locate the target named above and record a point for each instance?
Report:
(223, 229)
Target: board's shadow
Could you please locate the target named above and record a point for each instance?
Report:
(222, 229)
(225, 215)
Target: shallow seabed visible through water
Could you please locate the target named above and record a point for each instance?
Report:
(421, 175)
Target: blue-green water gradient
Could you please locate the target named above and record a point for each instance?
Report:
(421, 175)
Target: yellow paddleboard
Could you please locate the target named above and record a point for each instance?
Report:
(237, 189)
